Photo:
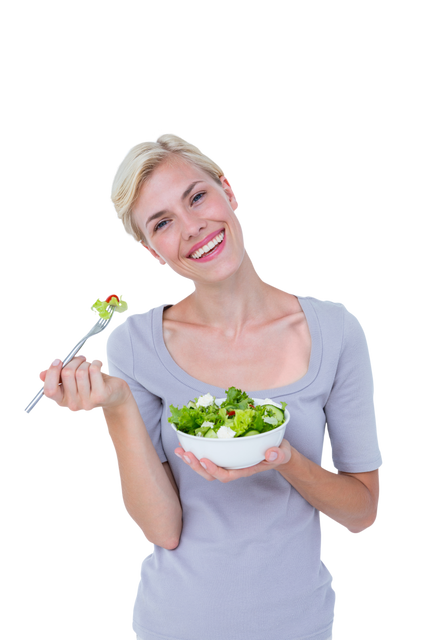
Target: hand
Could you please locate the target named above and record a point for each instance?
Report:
(213, 472)
(83, 385)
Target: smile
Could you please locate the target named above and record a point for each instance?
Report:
(209, 247)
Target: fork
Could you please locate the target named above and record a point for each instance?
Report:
(97, 328)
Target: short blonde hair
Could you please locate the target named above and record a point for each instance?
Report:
(138, 166)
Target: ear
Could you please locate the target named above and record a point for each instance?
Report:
(150, 252)
(153, 253)
(229, 192)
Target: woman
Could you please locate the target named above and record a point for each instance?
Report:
(236, 552)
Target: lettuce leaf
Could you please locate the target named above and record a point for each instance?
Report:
(235, 412)
(101, 306)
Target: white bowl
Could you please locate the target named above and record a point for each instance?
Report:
(234, 453)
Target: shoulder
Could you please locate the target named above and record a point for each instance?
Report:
(136, 330)
(327, 312)
(325, 306)
(135, 319)
(338, 323)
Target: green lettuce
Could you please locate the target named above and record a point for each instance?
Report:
(237, 412)
(99, 307)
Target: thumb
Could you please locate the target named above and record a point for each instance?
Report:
(272, 455)
(41, 375)
(279, 455)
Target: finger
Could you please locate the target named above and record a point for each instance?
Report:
(69, 383)
(272, 455)
(40, 375)
(279, 455)
(52, 376)
(66, 395)
(83, 384)
(97, 383)
(219, 473)
(191, 461)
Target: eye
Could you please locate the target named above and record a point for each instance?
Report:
(197, 197)
(160, 225)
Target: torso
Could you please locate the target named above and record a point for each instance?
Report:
(273, 354)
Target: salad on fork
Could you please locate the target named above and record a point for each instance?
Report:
(106, 309)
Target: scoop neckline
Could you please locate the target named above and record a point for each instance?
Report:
(204, 387)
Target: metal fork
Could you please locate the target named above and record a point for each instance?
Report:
(97, 328)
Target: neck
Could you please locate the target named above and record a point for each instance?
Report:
(231, 304)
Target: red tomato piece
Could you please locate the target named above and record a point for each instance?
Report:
(112, 294)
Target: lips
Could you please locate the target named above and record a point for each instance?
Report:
(201, 244)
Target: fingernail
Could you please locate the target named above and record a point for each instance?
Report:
(55, 362)
(272, 456)
(178, 454)
(187, 459)
(203, 465)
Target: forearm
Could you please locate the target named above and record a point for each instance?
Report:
(343, 498)
(148, 494)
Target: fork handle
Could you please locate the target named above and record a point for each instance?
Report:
(38, 396)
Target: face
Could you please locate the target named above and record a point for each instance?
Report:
(189, 222)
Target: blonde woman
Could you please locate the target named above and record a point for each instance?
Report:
(236, 552)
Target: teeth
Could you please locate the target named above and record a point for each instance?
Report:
(207, 247)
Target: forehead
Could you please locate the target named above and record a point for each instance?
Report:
(167, 184)
(176, 171)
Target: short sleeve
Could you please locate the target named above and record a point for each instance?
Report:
(121, 365)
(349, 410)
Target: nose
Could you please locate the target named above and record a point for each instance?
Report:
(192, 225)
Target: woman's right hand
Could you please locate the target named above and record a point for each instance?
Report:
(83, 386)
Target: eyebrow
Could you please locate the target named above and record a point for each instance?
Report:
(184, 195)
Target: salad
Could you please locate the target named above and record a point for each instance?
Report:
(114, 301)
(235, 417)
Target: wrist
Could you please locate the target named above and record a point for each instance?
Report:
(122, 406)
(292, 469)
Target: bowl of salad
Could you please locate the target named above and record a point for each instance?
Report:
(233, 432)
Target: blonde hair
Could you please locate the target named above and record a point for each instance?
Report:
(138, 166)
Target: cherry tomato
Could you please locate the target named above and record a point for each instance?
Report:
(112, 294)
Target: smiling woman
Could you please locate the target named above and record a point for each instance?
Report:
(236, 551)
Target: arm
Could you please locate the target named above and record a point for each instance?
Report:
(149, 490)
(348, 498)
(169, 474)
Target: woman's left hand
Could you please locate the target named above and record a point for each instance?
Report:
(210, 471)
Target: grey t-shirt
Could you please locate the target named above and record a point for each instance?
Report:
(248, 563)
